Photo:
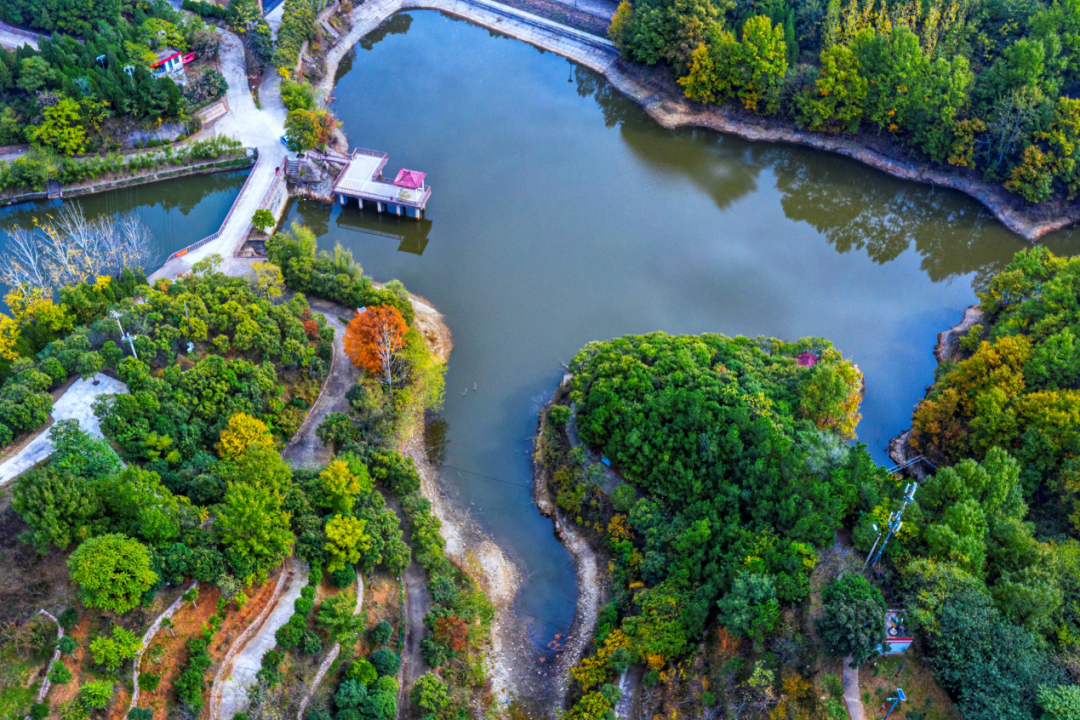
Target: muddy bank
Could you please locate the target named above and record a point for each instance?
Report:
(591, 581)
(947, 349)
(473, 549)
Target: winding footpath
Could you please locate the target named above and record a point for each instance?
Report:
(330, 656)
(46, 683)
(236, 674)
(148, 636)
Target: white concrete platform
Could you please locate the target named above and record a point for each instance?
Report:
(75, 404)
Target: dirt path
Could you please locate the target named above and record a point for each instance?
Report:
(331, 656)
(306, 449)
(147, 637)
(228, 693)
(417, 605)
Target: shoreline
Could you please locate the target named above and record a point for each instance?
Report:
(666, 105)
(946, 349)
(592, 590)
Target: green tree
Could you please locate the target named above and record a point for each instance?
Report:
(59, 674)
(750, 608)
(302, 130)
(763, 57)
(96, 693)
(254, 527)
(346, 539)
(62, 128)
(61, 509)
(853, 622)
(111, 572)
(263, 220)
(836, 102)
(337, 620)
(113, 652)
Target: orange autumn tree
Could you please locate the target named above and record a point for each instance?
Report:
(374, 339)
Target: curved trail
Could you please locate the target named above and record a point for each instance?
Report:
(230, 691)
(147, 637)
(46, 683)
(331, 656)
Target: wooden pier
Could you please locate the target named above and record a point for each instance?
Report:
(362, 179)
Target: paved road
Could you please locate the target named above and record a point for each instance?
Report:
(75, 404)
(851, 690)
(9, 38)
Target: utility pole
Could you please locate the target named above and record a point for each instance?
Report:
(896, 701)
(895, 523)
(124, 336)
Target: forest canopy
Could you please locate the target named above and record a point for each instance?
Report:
(983, 84)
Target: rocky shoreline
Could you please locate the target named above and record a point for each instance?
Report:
(587, 562)
(947, 349)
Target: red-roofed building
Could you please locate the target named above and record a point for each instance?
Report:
(411, 179)
(806, 359)
(168, 61)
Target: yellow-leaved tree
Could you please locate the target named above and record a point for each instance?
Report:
(346, 540)
(9, 335)
(243, 432)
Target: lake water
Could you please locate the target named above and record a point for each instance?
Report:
(562, 214)
(176, 212)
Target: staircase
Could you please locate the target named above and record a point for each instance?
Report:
(54, 190)
(292, 168)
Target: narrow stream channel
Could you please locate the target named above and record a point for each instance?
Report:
(562, 214)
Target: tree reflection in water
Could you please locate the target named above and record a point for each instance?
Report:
(853, 206)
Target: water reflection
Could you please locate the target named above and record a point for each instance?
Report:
(176, 212)
(883, 218)
(563, 215)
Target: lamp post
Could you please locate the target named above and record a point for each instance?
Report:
(124, 336)
(896, 701)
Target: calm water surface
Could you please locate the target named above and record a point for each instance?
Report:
(562, 214)
(176, 212)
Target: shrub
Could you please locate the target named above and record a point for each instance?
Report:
(343, 578)
(380, 634)
(39, 711)
(149, 681)
(363, 671)
(386, 662)
(59, 674)
(303, 605)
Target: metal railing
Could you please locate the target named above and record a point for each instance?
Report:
(224, 223)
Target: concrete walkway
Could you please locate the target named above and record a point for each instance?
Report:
(851, 690)
(248, 661)
(255, 128)
(14, 38)
(75, 404)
